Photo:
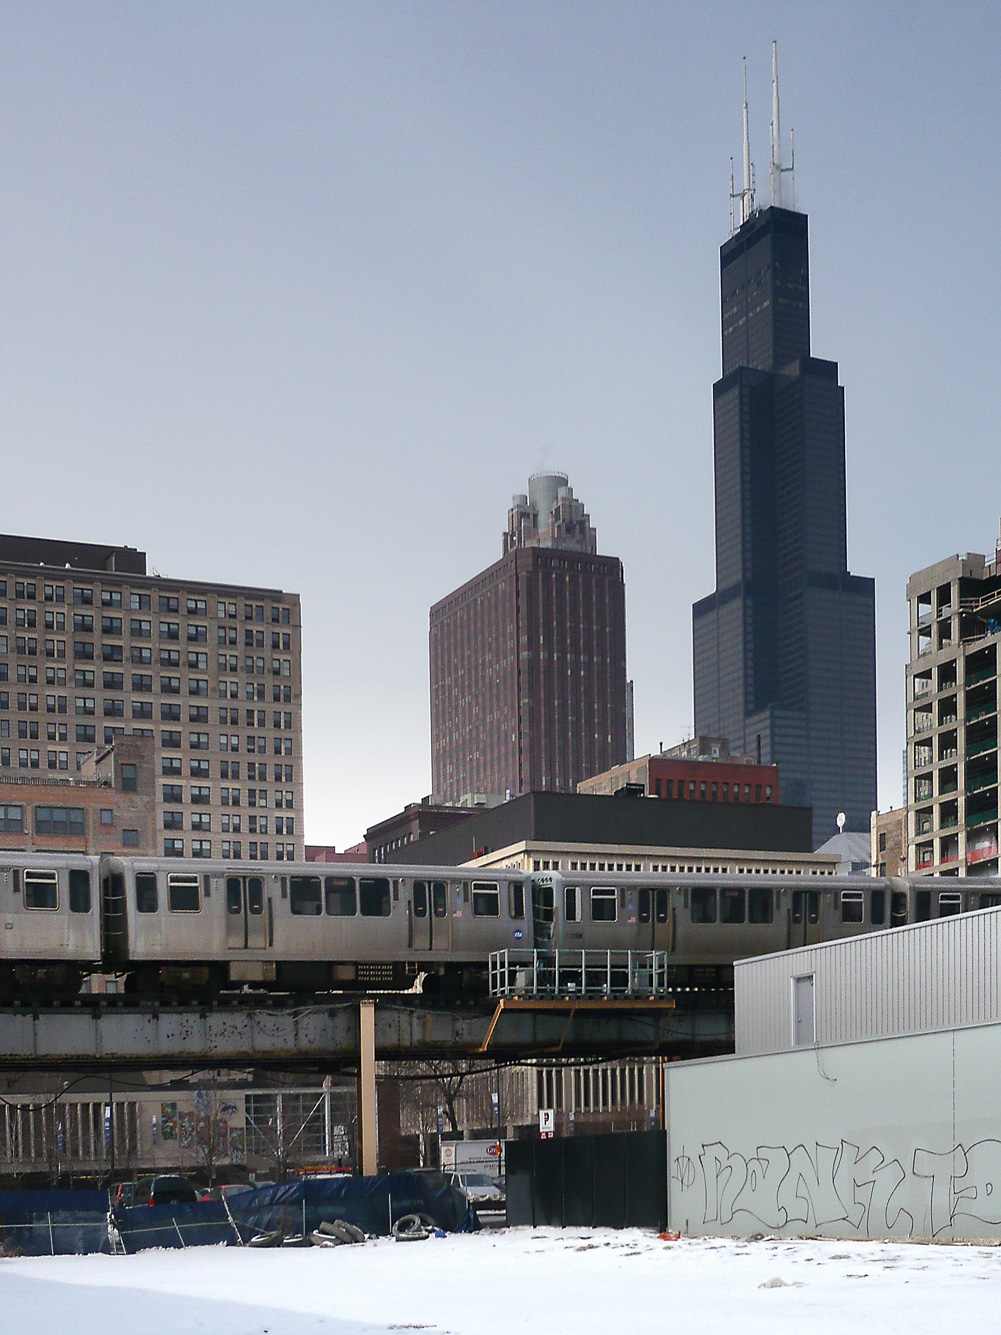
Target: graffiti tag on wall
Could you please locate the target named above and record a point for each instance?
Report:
(844, 1187)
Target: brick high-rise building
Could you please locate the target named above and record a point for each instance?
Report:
(93, 648)
(528, 660)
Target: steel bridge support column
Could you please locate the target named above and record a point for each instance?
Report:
(368, 1133)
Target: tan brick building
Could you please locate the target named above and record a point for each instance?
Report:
(94, 650)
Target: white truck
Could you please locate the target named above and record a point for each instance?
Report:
(473, 1156)
(474, 1166)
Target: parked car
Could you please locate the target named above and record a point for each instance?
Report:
(164, 1191)
(480, 1190)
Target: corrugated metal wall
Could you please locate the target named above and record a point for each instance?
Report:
(896, 1138)
(931, 975)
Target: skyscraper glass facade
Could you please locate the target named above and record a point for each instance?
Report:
(784, 650)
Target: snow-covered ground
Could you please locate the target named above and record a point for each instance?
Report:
(559, 1282)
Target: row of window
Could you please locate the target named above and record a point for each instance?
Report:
(229, 824)
(232, 797)
(83, 596)
(202, 769)
(27, 674)
(256, 852)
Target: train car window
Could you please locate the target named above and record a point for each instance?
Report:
(79, 890)
(922, 905)
(703, 903)
(340, 896)
(373, 896)
(182, 893)
(852, 906)
(644, 901)
(516, 897)
(603, 903)
(571, 903)
(439, 899)
(898, 908)
(797, 906)
(420, 899)
(543, 905)
(949, 902)
(486, 899)
(234, 895)
(41, 889)
(304, 896)
(660, 901)
(731, 904)
(255, 896)
(877, 908)
(990, 900)
(759, 904)
(146, 896)
(813, 906)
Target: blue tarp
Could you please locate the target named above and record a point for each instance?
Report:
(197, 1225)
(66, 1223)
(372, 1203)
(54, 1223)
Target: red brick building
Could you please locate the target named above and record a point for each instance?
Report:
(689, 778)
(108, 807)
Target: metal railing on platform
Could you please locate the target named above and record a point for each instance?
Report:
(578, 973)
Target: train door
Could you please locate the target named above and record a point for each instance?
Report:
(807, 929)
(654, 907)
(246, 925)
(429, 915)
(543, 913)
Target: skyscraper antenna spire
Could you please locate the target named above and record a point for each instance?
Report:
(746, 194)
(777, 170)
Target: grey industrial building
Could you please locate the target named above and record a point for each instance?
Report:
(528, 659)
(784, 649)
(93, 648)
(952, 716)
(862, 1102)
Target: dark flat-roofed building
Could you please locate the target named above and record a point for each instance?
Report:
(574, 818)
(528, 659)
(93, 649)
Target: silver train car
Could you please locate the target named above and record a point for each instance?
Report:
(199, 927)
(50, 921)
(308, 926)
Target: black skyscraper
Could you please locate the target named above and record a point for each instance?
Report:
(784, 649)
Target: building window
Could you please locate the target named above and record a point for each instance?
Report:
(11, 818)
(60, 820)
(173, 848)
(130, 838)
(107, 816)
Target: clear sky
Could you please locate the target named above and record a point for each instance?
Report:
(299, 294)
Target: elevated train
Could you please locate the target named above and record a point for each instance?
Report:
(199, 927)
